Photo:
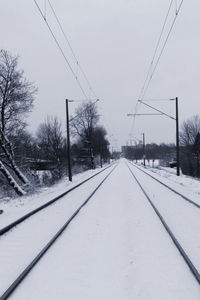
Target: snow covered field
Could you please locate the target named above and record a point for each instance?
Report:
(116, 248)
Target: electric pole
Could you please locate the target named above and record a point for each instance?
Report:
(176, 118)
(68, 143)
(144, 154)
(177, 140)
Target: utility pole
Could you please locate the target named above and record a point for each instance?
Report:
(68, 143)
(177, 140)
(176, 118)
(144, 154)
(101, 155)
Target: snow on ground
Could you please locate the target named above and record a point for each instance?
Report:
(19, 246)
(116, 249)
(182, 217)
(188, 186)
(14, 208)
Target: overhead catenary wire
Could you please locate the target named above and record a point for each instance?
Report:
(61, 50)
(78, 65)
(162, 49)
(71, 49)
(83, 110)
(156, 48)
(153, 67)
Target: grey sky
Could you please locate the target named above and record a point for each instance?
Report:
(114, 41)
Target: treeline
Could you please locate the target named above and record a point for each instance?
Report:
(163, 151)
(21, 153)
(190, 146)
(189, 149)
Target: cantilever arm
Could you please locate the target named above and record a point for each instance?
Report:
(161, 112)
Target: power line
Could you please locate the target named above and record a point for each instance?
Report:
(61, 50)
(70, 46)
(151, 65)
(156, 48)
(149, 77)
(163, 47)
(83, 110)
(75, 57)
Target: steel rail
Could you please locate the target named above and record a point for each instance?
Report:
(26, 271)
(168, 187)
(38, 209)
(172, 236)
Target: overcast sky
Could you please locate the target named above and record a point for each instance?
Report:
(114, 41)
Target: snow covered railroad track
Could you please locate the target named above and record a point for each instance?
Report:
(13, 224)
(116, 248)
(182, 236)
(168, 187)
(11, 260)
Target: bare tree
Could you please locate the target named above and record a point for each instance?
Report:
(16, 100)
(16, 93)
(189, 138)
(189, 131)
(83, 124)
(86, 118)
(91, 137)
(51, 144)
(50, 139)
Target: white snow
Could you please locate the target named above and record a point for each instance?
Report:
(21, 245)
(188, 186)
(182, 217)
(115, 249)
(15, 208)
